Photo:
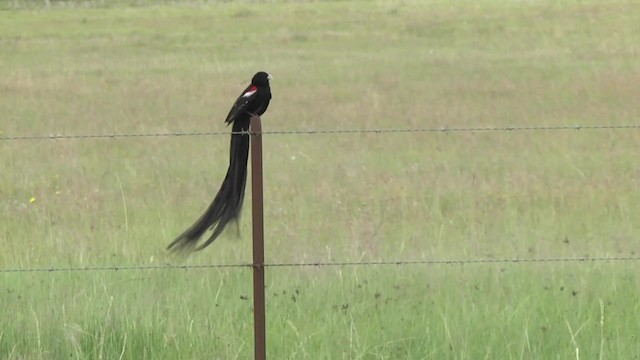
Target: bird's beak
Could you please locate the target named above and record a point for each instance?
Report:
(269, 77)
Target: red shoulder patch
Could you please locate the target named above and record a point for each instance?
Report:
(252, 90)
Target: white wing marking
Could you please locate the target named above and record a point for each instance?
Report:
(250, 92)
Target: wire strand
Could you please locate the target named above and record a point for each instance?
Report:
(313, 131)
(585, 259)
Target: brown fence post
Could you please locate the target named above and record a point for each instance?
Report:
(259, 321)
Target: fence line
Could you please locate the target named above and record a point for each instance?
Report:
(313, 131)
(116, 268)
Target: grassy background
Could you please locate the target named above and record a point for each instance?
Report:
(93, 67)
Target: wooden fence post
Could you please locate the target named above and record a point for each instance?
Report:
(259, 316)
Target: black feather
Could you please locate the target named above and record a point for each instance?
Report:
(227, 204)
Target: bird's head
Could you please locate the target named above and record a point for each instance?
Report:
(261, 78)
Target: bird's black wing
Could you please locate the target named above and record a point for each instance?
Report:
(241, 105)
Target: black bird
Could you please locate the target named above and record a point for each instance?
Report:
(227, 204)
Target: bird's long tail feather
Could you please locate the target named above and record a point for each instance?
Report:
(227, 204)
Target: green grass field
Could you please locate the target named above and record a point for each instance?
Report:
(88, 68)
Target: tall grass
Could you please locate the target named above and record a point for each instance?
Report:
(88, 68)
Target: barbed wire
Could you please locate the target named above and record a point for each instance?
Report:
(313, 131)
(116, 268)
(124, 268)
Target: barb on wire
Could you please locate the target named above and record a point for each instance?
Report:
(585, 259)
(180, 133)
